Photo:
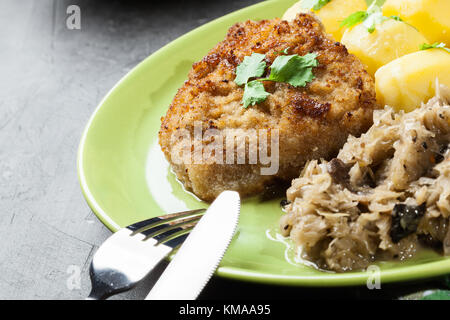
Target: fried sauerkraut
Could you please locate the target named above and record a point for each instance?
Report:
(384, 195)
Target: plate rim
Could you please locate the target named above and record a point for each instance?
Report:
(434, 268)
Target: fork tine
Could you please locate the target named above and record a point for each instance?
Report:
(177, 239)
(141, 226)
(164, 228)
(162, 235)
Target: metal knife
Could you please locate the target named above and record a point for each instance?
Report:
(200, 255)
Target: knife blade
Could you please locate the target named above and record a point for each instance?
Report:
(200, 255)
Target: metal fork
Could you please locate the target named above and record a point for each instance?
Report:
(131, 253)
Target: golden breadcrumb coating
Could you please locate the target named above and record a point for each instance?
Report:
(313, 121)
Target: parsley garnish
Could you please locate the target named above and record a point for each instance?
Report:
(374, 17)
(437, 45)
(397, 18)
(369, 18)
(251, 67)
(254, 93)
(293, 69)
(353, 19)
(314, 4)
(285, 51)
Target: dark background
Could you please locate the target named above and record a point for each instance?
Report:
(51, 80)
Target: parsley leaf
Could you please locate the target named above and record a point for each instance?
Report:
(370, 18)
(353, 19)
(397, 18)
(285, 51)
(251, 67)
(374, 17)
(314, 4)
(437, 45)
(294, 69)
(254, 93)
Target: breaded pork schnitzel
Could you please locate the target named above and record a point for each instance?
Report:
(311, 122)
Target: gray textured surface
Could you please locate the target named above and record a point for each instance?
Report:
(50, 82)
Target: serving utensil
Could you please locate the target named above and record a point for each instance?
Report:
(131, 253)
(200, 255)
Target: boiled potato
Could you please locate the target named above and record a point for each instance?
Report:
(390, 40)
(292, 12)
(331, 14)
(407, 81)
(431, 17)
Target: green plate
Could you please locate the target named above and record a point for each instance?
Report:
(125, 177)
